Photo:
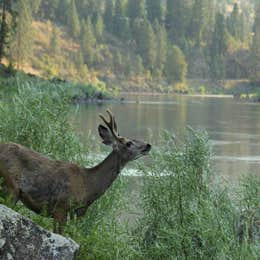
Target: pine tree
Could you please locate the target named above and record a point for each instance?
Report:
(108, 15)
(255, 49)
(99, 28)
(145, 40)
(48, 8)
(35, 5)
(136, 9)
(139, 67)
(198, 20)
(210, 13)
(87, 41)
(218, 48)
(176, 19)
(21, 42)
(73, 20)
(121, 25)
(62, 11)
(54, 41)
(176, 66)
(118, 63)
(3, 30)
(154, 10)
(234, 22)
(161, 46)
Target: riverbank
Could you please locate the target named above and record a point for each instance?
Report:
(74, 92)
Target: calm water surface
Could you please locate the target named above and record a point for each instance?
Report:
(233, 127)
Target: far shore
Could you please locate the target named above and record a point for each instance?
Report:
(124, 93)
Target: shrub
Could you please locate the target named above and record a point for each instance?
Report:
(184, 214)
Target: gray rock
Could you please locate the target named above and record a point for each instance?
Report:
(20, 239)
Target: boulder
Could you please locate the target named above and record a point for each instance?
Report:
(20, 239)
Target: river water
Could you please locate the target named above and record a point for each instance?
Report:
(233, 127)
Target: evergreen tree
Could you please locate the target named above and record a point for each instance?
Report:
(3, 30)
(35, 5)
(242, 28)
(218, 47)
(145, 40)
(210, 13)
(62, 11)
(121, 25)
(21, 42)
(87, 41)
(108, 15)
(139, 67)
(234, 22)
(161, 45)
(99, 27)
(54, 41)
(198, 20)
(47, 9)
(176, 66)
(73, 20)
(136, 9)
(118, 63)
(176, 19)
(255, 48)
(154, 10)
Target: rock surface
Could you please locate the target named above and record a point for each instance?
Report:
(20, 239)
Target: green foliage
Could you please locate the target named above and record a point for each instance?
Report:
(108, 15)
(99, 27)
(145, 40)
(154, 10)
(135, 9)
(54, 42)
(22, 37)
(161, 46)
(255, 49)
(73, 20)
(31, 120)
(176, 66)
(183, 215)
(87, 41)
(218, 48)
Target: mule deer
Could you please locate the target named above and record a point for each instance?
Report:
(59, 187)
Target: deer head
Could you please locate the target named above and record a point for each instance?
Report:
(129, 149)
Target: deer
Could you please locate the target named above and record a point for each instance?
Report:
(60, 188)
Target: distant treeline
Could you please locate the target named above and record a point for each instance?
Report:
(171, 39)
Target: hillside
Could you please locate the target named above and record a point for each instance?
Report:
(135, 45)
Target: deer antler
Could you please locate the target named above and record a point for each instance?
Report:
(111, 124)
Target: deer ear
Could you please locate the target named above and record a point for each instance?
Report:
(106, 135)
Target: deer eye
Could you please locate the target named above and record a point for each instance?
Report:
(128, 144)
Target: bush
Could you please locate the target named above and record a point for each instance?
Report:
(183, 215)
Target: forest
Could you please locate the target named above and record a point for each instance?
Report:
(134, 44)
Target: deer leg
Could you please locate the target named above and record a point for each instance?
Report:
(59, 221)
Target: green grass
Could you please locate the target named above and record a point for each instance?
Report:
(186, 214)
(74, 92)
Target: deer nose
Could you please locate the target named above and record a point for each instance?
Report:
(148, 147)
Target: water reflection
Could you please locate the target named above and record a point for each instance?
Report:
(234, 128)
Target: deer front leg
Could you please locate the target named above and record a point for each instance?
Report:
(59, 221)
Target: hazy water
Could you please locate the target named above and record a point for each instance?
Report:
(233, 127)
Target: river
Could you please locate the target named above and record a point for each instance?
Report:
(233, 127)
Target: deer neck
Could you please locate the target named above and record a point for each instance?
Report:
(100, 177)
